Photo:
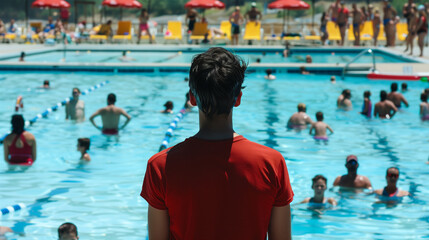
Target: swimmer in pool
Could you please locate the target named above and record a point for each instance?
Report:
(300, 119)
(168, 107)
(83, 145)
(320, 128)
(367, 104)
(46, 84)
(308, 59)
(344, 101)
(75, 108)
(125, 58)
(396, 97)
(319, 199)
(391, 193)
(110, 117)
(404, 87)
(333, 80)
(352, 179)
(424, 107)
(269, 75)
(385, 108)
(67, 231)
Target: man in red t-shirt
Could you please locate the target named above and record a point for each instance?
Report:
(217, 184)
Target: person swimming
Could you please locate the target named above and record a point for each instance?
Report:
(300, 119)
(269, 75)
(367, 105)
(320, 128)
(391, 193)
(83, 145)
(424, 107)
(168, 107)
(319, 183)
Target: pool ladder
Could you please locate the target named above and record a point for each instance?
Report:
(358, 56)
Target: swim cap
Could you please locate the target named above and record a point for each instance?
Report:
(351, 158)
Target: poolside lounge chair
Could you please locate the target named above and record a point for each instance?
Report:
(381, 34)
(10, 37)
(225, 27)
(366, 32)
(252, 31)
(313, 37)
(174, 28)
(96, 36)
(402, 31)
(333, 31)
(124, 31)
(200, 30)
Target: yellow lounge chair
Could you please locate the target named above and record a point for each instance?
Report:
(402, 31)
(124, 31)
(96, 36)
(381, 34)
(252, 31)
(291, 38)
(10, 36)
(366, 32)
(333, 31)
(225, 27)
(200, 29)
(175, 29)
(313, 37)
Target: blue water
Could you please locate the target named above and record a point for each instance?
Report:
(186, 57)
(102, 197)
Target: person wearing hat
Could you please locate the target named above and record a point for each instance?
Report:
(389, 23)
(352, 179)
(391, 193)
(300, 119)
(236, 19)
(422, 28)
(253, 15)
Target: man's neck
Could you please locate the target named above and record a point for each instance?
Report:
(351, 175)
(216, 128)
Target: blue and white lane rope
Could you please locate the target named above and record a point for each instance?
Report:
(56, 106)
(171, 128)
(11, 209)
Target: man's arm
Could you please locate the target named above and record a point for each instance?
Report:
(393, 109)
(311, 129)
(337, 181)
(280, 223)
(91, 119)
(127, 116)
(404, 100)
(330, 129)
(34, 149)
(159, 224)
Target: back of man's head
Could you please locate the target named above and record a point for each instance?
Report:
(67, 230)
(111, 98)
(383, 95)
(394, 87)
(215, 79)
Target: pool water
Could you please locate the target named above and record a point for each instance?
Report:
(186, 57)
(102, 197)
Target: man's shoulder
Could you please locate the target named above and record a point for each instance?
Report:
(256, 149)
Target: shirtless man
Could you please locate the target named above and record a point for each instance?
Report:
(352, 179)
(391, 193)
(384, 108)
(358, 19)
(253, 15)
(320, 128)
(343, 16)
(300, 119)
(389, 22)
(236, 19)
(333, 10)
(75, 108)
(343, 101)
(110, 117)
(396, 97)
(406, 10)
(424, 107)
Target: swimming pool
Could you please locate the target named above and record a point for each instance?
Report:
(184, 55)
(102, 197)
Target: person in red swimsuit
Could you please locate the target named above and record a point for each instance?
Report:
(217, 184)
(20, 145)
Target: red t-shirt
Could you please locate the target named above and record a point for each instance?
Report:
(217, 189)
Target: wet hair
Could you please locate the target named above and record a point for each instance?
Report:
(215, 79)
(383, 95)
(317, 178)
(46, 82)
(18, 124)
(76, 89)
(84, 142)
(319, 116)
(394, 87)
(301, 107)
(169, 105)
(347, 93)
(268, 71)
(404, 86)
(367, 94)
(387, 171)
(111, 98)
(67, 228)
(424, 97)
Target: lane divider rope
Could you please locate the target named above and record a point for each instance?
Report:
(11, 209)
(171, 129)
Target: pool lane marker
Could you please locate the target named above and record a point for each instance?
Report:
(171, 129)
(56, 106)
(11, 209)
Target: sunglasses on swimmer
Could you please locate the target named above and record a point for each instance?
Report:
(393, 175)
(352, 162)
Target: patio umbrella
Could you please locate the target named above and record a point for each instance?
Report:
(288, 5)
(122, 4)
(50, 4)
(205, 4)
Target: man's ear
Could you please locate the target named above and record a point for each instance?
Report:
(192, 99)
(238, 101)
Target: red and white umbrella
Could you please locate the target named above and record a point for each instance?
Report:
(288, 5)
(50, 4)
(205, 4)
(122, 3)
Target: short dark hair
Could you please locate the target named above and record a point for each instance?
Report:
(215, 79)
(18, 124)
(383, 95)
(387, 171)
(67, 228)
(424, 97)
(22, 54)
(394, 87)
(76, 89)
(46, 82)
(318, 177)
(111, 98)
(367, 94)
(169, 105)
(319, 116)
(84, 142)
(404, 86)
(268, 71)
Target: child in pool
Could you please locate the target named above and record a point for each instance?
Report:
(319, 187)
(83, 147)
(320, 128)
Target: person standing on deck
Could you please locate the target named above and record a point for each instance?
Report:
(236, 19)
(358, 19)
(389, 23)
(342, 21)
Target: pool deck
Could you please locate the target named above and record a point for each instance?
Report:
(394, 68)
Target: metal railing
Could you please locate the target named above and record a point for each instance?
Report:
(358, 56)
